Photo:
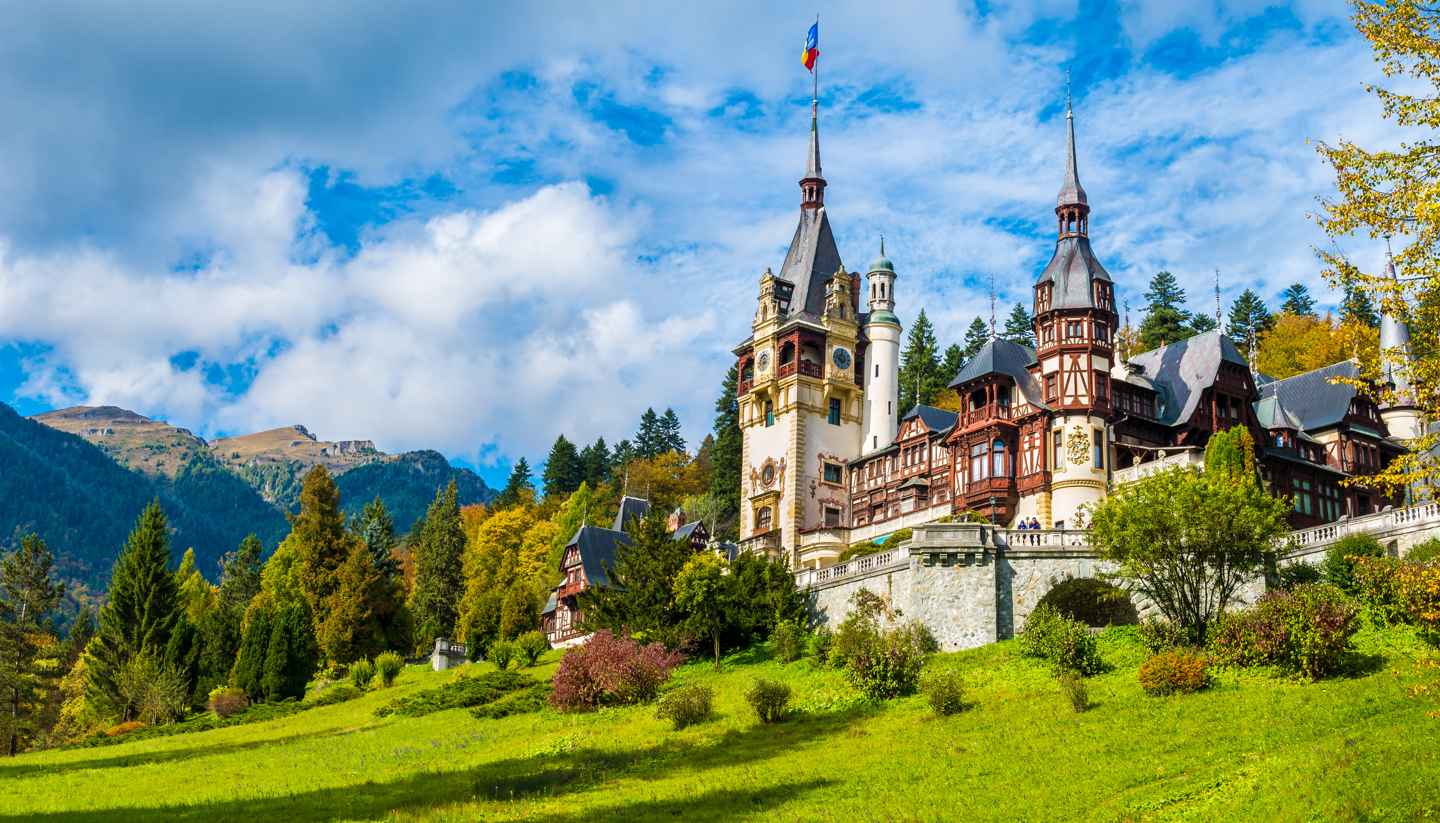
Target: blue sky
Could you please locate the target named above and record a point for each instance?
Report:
(474, 228)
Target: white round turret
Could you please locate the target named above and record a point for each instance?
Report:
(882, 358)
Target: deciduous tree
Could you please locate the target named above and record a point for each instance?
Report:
(703, 593)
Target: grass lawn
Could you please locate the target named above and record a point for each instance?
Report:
(1255, 747)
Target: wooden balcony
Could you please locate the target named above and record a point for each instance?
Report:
(986, 414)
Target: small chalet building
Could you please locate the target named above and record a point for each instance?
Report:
(587, 561)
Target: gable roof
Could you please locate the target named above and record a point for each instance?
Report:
(597, 547)
(1312, 398)
(812, 260)
(936, 420)
(685, 531)
(1273, 414)
(998, 356)
(630, 508)
(1182, 371)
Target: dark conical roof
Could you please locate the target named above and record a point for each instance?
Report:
(1071, 192)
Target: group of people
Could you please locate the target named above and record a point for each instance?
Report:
(1029, 525)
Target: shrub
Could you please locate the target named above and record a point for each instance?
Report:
(1304, 631)
(1159, 635)
(1424, 552)
(686, 706)
(889, 666)
(124, 728)
(524, 701)
(895, 539)
(530, 646)
(1072, 685)
(769, 698)
(1177, 671)
(788, 641)
(361, 673)
(225, 701)
(462, 692)
(820, 643)
(338, 693)
(1297, 574)
(1340, 559)
(388, 665)
(610, 670)
(1092, 602)
(501, 653)
(945, 691)
(1066, 643)
(1400, 591)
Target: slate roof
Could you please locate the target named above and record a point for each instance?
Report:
(1273, 414)
(1182, 371)
(1073, 269)
(550, 604)
(812, 260)
(684, 532)
(630, 508)
(936, 420)
(1312, 398)
(597, 546)
(1071, 192)
(1001, 356)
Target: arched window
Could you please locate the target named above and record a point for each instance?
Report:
(997, 458)
(787, 354)
(762, 519)
(769, 413)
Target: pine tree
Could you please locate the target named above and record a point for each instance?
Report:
(240, 574)
(1166, 320)
(920, 377)
(321, 540)
(29, 592)
(563, 469)
(595, 462)
(623, 454)
(377, 531)
(439, 579)
(1357, 307)
(649, 439)
(644, 573)
(670, 438)
(1201, 323)
(516, 487)
(1296, 300)
(141, 613)
(976, 336)
(952, 362)
(725, 456)
(1249, 318)
(1020, 326)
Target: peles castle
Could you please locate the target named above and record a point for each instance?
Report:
(828, 462)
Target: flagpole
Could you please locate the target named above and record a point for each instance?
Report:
(815, 74)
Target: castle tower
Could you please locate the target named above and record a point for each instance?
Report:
(801, 411)
(882, 358)
(1401, 417)
(1075, 322)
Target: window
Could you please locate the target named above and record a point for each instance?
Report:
(834, 411)
(1102, 384)
(769, 413)
(1074, 330)
(1050, 387)
(1303, 502)
(1057, 439)
(832, 517)
(997, 459)
(1099, 448)
(831, 473)
(977, 462)
(1102, 333)
(762, 519)
(747, 373)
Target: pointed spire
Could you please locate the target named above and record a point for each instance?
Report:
(812, 186)
(1071, 193)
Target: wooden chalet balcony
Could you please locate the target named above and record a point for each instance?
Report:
(744, 386)
(569, 590)
(982, 490)
(802, 366)
(985, 414)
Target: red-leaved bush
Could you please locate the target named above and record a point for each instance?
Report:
(611, 671)
(1306, 630)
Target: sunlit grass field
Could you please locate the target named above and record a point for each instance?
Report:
(1255, 747)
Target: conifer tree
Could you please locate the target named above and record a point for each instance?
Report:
(29, 593)
(240, 574)
(644, 574)
(1296, 300)
(141, 613)
(356, 613)
(1201, 323)
(920, 378)
(976, 336)
(725, 455)
(515, 487)
(377, 531)
(439, 579)
(1249, 319)
(321, 540)
(1357, 308)
(291, 656)
(595, 462)
(670, 438)
(249, 674)
(1166, 320)
(952, 362)
(563, 469)
(1020, 326)
(649, 438)
(623, 454)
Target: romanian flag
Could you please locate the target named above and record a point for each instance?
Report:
(812, 47)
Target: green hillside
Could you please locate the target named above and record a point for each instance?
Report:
(407, 483)
(1254, 747)
(83, 503)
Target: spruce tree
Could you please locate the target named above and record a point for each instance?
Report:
(515, 487)
(1166, 320)
(29, 593)
(1020, 326)
(725, 456)
(321, 539)
(240, 574)
(291, 656)
(1248, 318)
(355, 614)
(1357, 308)
(1201, 323)
(377, 531)
(644, 574)
(623, 454)
(920, 378)
(670, 438)
(595, 462)
(952, 362)
(439, 580)
(1296, 300)
(249, 674)
(141, 613)
(563, 469)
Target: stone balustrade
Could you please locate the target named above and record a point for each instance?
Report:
(852, 568)
(1130, 474)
